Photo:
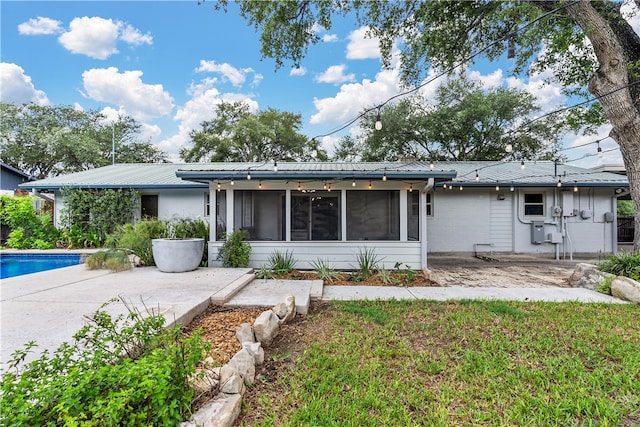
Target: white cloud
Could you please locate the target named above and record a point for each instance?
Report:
(204, 96)
(133, 36)
(488, 81)
(39, 26)
(335, 75)
(127, 90)
(300, 71)
(330, 38)
(362, 47)
(354, 97)
(631, 13)
(17, 87)
(97, 37)
(548, 96)
(236, 76)
(94, 37)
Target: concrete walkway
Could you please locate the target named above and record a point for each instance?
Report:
(49, 307)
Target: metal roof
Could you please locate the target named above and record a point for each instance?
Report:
(313, 171)
(534, 174)
(196, 175)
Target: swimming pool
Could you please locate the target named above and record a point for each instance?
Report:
(12, 265)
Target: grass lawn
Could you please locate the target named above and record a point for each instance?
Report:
(455, 363)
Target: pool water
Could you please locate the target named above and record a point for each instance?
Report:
(12, 265)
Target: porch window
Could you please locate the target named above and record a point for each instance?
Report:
(315, 216)
(260, 213)
(221, 214)
(373, 215)
(534, 204)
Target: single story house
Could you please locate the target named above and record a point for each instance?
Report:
(401, 210)
(11, 178)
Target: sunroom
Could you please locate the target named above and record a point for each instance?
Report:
(321, 210)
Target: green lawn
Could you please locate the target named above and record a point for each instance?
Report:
(458, 363)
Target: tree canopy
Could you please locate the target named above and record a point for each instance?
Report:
(462, 122)
(587, 46)
(236, 134)
(47, 141)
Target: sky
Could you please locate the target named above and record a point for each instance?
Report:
(168, 63)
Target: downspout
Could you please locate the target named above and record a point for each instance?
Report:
(423, 222)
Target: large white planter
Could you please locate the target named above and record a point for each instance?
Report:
(177, 255)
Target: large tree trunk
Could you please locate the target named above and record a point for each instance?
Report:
(609, 84)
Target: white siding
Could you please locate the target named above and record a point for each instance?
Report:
(341, 255)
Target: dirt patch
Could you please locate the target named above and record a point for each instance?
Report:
(499, 275)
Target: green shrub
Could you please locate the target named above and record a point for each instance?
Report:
(623, 264)
(281, 263)
(29, 229)
(385, 276)
(367, 262)
(112, 259)
(325, 270)
(235, 251)
(605, 287)
(127, 370)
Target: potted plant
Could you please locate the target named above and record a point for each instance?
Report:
(182, 248)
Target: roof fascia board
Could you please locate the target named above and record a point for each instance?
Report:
(313, 175)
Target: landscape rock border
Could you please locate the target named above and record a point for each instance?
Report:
(588, 276)
(231, 379)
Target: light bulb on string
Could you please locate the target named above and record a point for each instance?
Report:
(497, 187)
(232, 182)
(511, 188)
(410, 188)
(353, 183)
(431, 165)
(477, 176)
(599, 150)
(219, 186)
(275, 166)
(384, 176)
(378, 125)
(299, 187)
(509, 147)
(369, 185)
(522, 166)
(559, 184)
(575, 187)
(260, 185)
(248, 175)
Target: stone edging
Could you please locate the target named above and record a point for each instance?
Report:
(589, 277)
(230, 379)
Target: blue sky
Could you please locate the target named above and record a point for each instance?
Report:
(167, 64)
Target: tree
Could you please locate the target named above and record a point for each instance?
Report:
(236, 134)
(52, 140)
(464, 122)
(587, 45)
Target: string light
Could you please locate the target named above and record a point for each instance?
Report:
(575, 187)
(477, 176)
(431, 165)
(522, 166)
(559, 184)
(232, 182)
(410, 188)
(299, 187)
(384, 176)
(509, 147)
(219, 186)
(329, 187)
(248, 175)
(497, 187)
(260, 185)
(353, 183)
(369, 185)
(324, 186)
(275, 166)
(511, 48)
(512, 188)
(461, 188)
(599, 150)
(378, 122)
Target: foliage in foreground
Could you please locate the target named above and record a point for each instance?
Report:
(29, 229)
(622, 264)
(123, 370)
(493, 363)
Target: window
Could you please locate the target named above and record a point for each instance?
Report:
(149, 206)
(260, 213)
(534, 204)
(315, 216)
(413, 213)
(221, 214)
(207, 204)
(373, 215)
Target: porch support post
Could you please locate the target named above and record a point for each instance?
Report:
(230, 210)
(423, 230)
(343, 215)
(287, 214)
(213, 215)
(403, 216)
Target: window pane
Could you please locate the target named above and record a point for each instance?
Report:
(221, 214)
(534, 210)
(533, 198)
(534, 204)
(413, 215)
(373, 215)
(315, 217)
(260, 213)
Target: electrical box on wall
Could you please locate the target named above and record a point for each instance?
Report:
(555, 237)
(567, 203)
(586, 214)
(537, 232)
(608, 217)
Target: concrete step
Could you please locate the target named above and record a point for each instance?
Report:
(225, 294)
(266, 293)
